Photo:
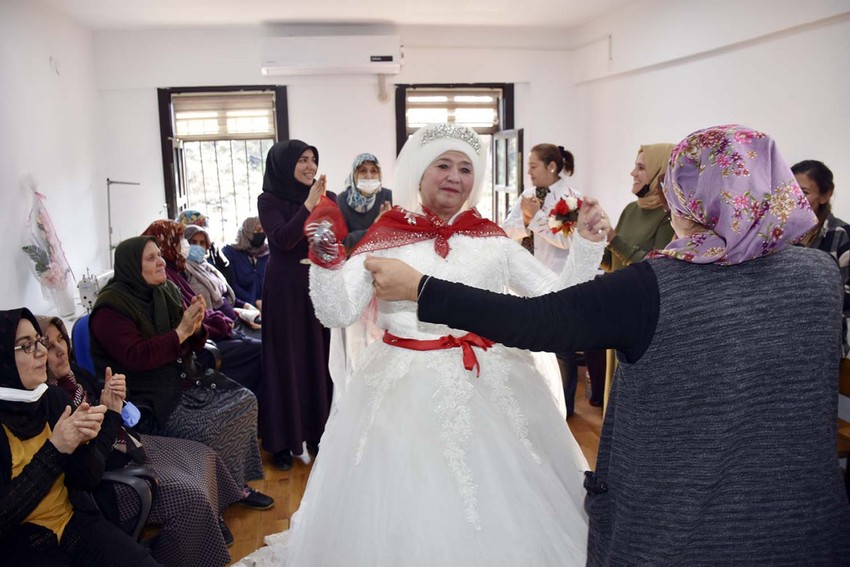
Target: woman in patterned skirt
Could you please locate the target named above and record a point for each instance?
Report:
(194, 485)
(139, 328)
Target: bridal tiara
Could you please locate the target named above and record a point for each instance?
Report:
(461, 133)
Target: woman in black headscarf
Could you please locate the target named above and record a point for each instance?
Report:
(296, 394)
(194, 484)
(139, 329)
(47, 456)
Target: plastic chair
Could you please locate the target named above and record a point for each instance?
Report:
(142, 482)
(81, 342)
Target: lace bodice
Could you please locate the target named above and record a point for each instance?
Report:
(493, 263)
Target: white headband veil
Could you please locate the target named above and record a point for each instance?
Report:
(426, 145)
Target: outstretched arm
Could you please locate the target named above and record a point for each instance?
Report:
(616, 311)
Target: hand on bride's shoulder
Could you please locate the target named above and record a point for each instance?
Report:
(393, 280)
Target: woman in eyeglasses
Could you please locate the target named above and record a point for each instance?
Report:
(47, 456)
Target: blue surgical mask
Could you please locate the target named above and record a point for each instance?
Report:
(197, 253)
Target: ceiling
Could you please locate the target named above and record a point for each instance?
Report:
(128, 14)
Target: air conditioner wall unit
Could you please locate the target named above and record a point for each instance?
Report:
(331, 55)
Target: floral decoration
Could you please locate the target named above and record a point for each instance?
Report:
(563, 216)
(45, 249)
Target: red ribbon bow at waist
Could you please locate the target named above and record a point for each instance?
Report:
(465, 342)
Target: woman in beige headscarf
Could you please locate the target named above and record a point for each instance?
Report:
(644, 226)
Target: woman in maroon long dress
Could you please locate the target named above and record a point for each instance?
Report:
(296, 395)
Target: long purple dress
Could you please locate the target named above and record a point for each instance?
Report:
(295, 398)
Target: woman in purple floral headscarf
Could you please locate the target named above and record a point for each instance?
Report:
(732, 198)
(718, 446)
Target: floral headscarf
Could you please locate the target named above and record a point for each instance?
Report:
(733, 181)
(190, 217)
(244, 236)
(168, 234)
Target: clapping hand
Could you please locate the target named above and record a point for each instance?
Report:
(73, 429)
(529, 207)
(193, 318)
(316, 192)
(114, 391)
(386, 206)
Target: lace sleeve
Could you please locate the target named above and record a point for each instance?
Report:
(340, 296)
(530, 278)
(513, 225)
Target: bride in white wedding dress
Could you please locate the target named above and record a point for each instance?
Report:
(446, 449)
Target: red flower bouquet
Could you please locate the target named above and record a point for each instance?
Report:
(563, 216)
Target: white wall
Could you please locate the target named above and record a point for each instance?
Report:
(676, 67)
(341, 116)
(47, 135)
(791, 79)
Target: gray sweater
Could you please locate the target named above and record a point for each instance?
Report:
(718, 446)
(719, 443)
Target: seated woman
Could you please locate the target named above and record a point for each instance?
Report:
(248, 259)
(240, 355)
(194, 485)
(214, 256)
(140, 329)
(831, 234)
(206, 280)
(364, 200)
(47, 455)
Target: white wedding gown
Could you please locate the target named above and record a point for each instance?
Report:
(425, 463)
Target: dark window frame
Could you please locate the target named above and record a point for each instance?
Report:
(506, 108)
(166, 128)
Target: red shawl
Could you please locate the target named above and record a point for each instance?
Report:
(399, 227)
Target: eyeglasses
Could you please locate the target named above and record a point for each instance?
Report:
(30, 346)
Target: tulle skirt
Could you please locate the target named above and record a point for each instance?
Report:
(425, 463)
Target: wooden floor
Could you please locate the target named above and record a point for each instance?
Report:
(250, 527)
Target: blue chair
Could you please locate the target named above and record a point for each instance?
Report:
(81, 341)
(140, 481)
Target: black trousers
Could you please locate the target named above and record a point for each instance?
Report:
(89, 540)
(568, 363)
(596, 364)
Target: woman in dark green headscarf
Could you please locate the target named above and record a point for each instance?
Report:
(140, 329)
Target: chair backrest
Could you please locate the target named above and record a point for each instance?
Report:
(81, 340)
(125, 497)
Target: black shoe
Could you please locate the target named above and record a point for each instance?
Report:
(256, 500)
(313, 448)
(225, 532)
(282, 460)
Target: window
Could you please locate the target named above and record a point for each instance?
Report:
(215, 149)
(486, 108)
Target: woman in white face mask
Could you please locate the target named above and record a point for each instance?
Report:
(364, 199)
